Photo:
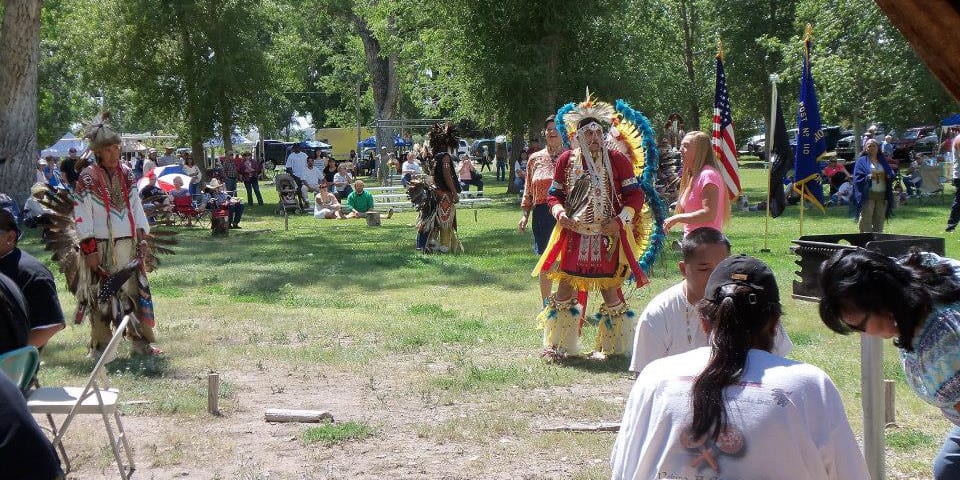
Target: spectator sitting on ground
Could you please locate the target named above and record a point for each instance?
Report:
(360, 202)
(836, 174)
(842, 197)
(468, 175)
(326, 205)
(34, 280)
(341, 183)
(311, 179)
(670, 324)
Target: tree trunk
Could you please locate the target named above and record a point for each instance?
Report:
(385, 85)
(19, 57)
(226, 124)
(688, 18)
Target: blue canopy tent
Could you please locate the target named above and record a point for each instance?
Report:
(371, 142)
(951, 121)
(63, 146)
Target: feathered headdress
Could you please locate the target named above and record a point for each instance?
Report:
(443, 138)
(572, 116)
(100, 133)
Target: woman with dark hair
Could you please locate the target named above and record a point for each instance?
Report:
(915, 299)
(733, 409)
(872, 200)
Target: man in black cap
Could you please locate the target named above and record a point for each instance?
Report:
(34, 280)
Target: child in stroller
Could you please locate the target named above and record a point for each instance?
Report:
(286, 187)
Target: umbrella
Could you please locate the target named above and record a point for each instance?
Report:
(165, 177)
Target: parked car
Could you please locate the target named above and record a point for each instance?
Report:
(756, 145)
(463, 147)
(903, 145)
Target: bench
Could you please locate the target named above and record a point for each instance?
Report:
(397, 199)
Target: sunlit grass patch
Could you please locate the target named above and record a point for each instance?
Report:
(906, 440)
(334, 433)
(480, 427)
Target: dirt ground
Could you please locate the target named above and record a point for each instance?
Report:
(414, 437)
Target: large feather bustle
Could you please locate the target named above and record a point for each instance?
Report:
(443, 138)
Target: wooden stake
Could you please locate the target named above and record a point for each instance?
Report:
(584, 427)
(213, 393)
(889, 408)
(281, 415)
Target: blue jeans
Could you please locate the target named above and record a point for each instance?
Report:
(235, 211)
(231, 185)
(501, 170)
(253, 186)
(946, 465)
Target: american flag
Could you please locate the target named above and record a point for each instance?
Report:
(724, 145)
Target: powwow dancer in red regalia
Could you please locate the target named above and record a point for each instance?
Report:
(603, 225)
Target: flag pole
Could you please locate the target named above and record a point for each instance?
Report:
(803, 194)
(774, 78)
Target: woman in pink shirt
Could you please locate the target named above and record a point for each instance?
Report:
(704, 200)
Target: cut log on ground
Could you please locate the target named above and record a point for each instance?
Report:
(584, 427)
(280, 415)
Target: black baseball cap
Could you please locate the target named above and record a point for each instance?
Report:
(8, 221)
(746, 271)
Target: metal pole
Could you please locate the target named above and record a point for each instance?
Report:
(774, 78)
(871, 382)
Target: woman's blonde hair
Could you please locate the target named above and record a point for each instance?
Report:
(703, 156)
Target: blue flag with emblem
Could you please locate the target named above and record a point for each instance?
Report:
(810, 142)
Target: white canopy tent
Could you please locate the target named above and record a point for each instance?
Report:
(63, 146)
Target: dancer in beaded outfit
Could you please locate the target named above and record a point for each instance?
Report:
(602, 225)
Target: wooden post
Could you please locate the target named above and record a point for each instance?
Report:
(213, 393)
(871, 361)
(889, 408)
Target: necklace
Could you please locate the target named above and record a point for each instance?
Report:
(686, 315)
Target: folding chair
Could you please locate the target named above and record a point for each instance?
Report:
(931, 180)
(21, 365)
(95, 398)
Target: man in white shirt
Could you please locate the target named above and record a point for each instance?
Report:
(670, 324)
(296, 163)
(311, 178)
(168, 158)
(409, 168)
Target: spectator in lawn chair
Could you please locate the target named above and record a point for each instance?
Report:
(670, 324)
(341, 183)
(32, 209)
(34, 280)
(311, 179)
(155, 200)
(220, 199)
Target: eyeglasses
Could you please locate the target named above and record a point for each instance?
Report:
(860, 327)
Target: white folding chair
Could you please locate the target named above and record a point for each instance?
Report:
(95, 398)
(931, 181)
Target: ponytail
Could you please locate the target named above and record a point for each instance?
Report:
(739, 321)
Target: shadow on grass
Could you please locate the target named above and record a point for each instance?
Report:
(616, 364)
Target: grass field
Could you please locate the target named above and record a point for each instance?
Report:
(431, 362)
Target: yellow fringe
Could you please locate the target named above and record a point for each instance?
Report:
(562, 332)
(585, 284)
(619, 339)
